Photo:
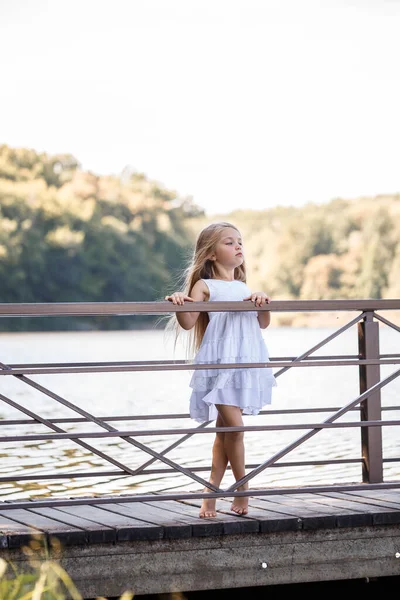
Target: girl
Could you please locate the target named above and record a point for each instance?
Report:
(218, 272)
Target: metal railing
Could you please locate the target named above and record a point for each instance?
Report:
(367, 404)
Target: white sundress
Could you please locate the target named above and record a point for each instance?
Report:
(230, 337)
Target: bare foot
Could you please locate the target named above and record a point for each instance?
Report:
(207, 509)
(240, 504)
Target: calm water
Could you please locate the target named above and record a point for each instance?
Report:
(152, 393)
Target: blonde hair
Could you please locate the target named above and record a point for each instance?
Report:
(201, 267)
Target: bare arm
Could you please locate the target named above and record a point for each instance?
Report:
(259, 299)
(199, 293)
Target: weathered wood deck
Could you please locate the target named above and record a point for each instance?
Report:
(163, 546)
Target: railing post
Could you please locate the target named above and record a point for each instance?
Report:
(370, 409)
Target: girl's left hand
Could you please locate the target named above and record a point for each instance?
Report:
(259, 298)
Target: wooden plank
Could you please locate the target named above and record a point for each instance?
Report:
(356, 504)
(14, 534)
(231, 524)
(173, 527)
(389, 498)
(269, 521)
(125, 528)
(360, 502)
(65, 533)
(310, 516)
(200, 527)
(386, 518)
(97, 532)
(92, 533)
(378, 513)
(347, 513)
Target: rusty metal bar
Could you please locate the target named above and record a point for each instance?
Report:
(370, 408)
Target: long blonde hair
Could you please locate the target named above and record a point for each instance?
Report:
(201, 267)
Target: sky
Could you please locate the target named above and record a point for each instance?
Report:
(239, 104)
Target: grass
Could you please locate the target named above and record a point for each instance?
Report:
(45, 579)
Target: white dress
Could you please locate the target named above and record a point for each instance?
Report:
(230, 337)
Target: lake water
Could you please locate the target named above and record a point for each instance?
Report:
(167, 392)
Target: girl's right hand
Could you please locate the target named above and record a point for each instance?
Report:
(179, 298)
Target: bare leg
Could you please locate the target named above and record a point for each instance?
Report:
(218, 467)
(234, 449)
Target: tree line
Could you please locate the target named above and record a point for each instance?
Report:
(68, 235)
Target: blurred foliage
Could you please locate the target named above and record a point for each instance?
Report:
(339, 250)
(44, 578)
(67, 235)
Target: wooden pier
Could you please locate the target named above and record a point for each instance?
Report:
(155, 543)
(158, 547)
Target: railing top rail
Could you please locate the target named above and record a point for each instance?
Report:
(132, 308)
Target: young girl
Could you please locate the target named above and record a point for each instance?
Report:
(218, 273)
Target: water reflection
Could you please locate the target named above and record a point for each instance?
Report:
(153, 393)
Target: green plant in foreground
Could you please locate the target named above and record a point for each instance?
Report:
(47, 580)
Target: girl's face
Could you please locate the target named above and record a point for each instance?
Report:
(228, 251)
